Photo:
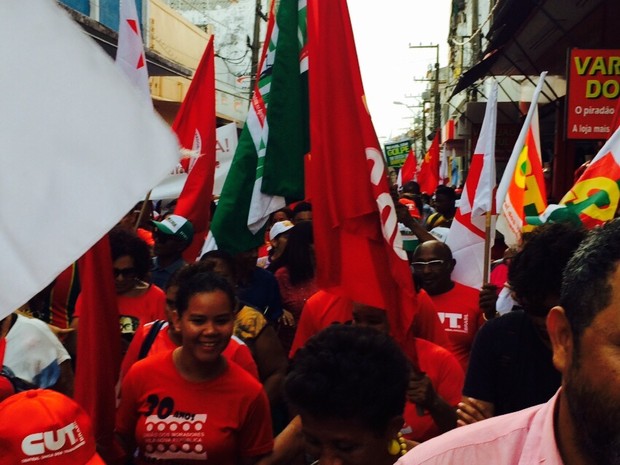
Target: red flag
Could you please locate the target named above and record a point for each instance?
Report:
(195, 128)
(428, 178)
(408, 170)
(99, 343)
(357, 242)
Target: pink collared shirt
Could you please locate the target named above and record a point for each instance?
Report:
(525, 437)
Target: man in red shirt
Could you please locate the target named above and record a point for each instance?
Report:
(456, 305)
(325, 308)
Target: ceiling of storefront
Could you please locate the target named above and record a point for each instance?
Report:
(531, 36)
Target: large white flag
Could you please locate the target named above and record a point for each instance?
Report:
(130, 52)
(468, 229)
(78, 147)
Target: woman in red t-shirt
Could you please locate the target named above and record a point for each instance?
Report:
(190, 405)
(137, 299)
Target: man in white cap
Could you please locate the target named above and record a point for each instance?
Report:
(172, 236)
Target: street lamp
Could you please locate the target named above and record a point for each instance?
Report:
(410, 108)
(396, 102)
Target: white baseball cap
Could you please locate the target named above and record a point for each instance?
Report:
(279, 228)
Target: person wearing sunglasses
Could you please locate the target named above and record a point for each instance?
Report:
(457, 305)
(138, 300)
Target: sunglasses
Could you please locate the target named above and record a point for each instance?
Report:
(124, 272)
(433, 265)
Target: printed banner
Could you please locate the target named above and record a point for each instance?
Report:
(396, 152)
(225, 145)
(593, 90)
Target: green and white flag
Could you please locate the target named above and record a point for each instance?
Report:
(267, 169)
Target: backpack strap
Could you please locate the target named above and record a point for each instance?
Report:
(150, 338)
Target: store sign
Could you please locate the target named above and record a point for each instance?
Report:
(397, 152)
(593, 91)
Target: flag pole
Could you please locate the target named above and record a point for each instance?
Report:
(146, 200)
(487, 247)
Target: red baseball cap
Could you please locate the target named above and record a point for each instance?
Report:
(44, 427)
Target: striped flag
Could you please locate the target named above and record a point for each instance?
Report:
(521, 191)
(468, 230)
(268, 164)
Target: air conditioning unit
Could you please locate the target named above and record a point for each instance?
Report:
(463, 128)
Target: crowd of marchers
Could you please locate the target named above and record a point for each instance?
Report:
(242, 359)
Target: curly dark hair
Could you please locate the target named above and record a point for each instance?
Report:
(586, 286)
(535, 273)
(192, 279)
(349, 372)
(298, 256)
(126, 242)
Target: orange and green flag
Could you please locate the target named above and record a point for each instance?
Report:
(594, 197)
(521, 191)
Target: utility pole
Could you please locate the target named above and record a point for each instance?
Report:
(437, 101)
(255, 45)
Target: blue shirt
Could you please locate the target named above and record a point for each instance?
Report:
(160, 276)
(263, 293)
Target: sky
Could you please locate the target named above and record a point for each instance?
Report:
(384, 30)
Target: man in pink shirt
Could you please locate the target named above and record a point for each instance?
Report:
(579, 425)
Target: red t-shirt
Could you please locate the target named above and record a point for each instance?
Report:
(136, 311)
(236, 350)
(63, 297)
(320, 310)
(461, 316)
(176, 421)
(324, 309)
(427, 325)
(499, 276)
(411, 207)
(447, 377)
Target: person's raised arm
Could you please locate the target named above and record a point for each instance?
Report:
(418, 229)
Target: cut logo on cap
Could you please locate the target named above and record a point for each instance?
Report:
(39, 446)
